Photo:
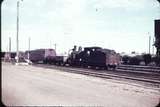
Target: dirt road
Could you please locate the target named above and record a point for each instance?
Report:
(29, 85)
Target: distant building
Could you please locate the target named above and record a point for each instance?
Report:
(157, 36)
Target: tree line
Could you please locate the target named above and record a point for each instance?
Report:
(145, 59)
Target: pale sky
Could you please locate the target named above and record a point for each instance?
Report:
(122, 25)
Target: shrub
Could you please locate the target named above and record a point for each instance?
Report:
(147, 58)
(125, 59)
(134, 60)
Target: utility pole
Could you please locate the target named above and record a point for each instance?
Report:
(153, 47)
(28, 46)
(9, 44)
(17, 54)
(50, 44)
(9, 47)
(55, 45)
(17, 39)
(149, 43)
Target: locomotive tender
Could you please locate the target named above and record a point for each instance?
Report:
(89, 57)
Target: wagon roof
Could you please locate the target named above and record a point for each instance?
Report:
(41, 49)
(106, 50)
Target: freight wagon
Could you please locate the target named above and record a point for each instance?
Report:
(40, 55)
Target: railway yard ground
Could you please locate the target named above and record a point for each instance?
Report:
(29, 85)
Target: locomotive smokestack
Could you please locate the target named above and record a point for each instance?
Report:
(75, 48)
(79, 49)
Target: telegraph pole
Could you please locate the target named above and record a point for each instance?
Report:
(9, 47)
(55, 46)
(28, 46)
(17, 54)
(50, 44)
(149, 47)
(153, 47)
(149, 44)
(17, 38)
(9, 44)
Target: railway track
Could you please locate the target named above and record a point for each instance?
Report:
(144, 78)
(146, 69)
(139, 72)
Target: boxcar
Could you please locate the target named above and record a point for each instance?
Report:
(40, 55)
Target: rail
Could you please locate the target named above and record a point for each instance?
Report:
(108, 75)
(139, 68)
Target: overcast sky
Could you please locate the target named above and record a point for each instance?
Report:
(122, 25)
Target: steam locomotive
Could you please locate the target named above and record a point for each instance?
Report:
(94, 57)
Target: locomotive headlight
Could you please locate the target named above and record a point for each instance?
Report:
(80, 59)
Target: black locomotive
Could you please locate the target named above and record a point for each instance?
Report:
(94, 57)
